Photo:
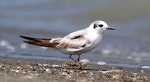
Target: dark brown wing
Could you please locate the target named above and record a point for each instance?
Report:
(39, 41)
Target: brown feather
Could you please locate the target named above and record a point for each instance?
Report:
(33, 39)
(43, 43)
(39, 41)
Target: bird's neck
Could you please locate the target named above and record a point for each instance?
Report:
(92, 31)
(92, 35)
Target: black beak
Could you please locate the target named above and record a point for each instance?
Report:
(109, 28)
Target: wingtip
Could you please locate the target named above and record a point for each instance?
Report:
(29, 42)
(30, 38)
(22, 36)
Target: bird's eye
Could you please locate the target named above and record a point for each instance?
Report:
(100, 25)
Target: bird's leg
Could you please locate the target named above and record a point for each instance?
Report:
(75, 62)
(78, 58)
(74, 59)
(71, 57)
(78, 62)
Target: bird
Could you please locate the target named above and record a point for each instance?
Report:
(75, 43)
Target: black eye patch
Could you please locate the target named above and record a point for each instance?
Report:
(94, 26)
(100, 25)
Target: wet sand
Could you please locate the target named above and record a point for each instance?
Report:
(36, 70)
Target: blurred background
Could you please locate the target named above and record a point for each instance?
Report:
(128, 45)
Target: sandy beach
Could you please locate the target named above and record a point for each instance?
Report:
(36, 70)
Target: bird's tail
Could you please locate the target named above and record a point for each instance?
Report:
(38, 41)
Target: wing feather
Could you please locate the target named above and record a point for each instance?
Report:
(76, 34)
(74, 44)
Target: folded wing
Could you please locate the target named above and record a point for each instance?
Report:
(75, 43)
(39, 41)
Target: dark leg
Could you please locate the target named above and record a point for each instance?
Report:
(80, 66)
(76, 61)
(71, 57)
(78, 58)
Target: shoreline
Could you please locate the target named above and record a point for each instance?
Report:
(38, 70)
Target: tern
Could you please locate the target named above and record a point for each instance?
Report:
(75, 43)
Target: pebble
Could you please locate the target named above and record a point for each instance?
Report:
(104, 72)
(117, 76)
(48, 70)
(65, 70)
(17, 71)
(54, 65)
(19, 67)
(39, 64)
(134, 74)
(116, 70)
(64, 73)
(84, 71)
(45, 64)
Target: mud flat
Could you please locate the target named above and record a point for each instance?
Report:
(36, 70)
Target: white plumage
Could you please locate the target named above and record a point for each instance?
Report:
(75, 43)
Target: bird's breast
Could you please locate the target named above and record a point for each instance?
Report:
(95, 40)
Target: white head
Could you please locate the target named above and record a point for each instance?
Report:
(99, 26)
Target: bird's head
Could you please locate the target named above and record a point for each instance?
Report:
(100, 26)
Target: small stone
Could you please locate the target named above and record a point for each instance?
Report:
(34, 69)
(25, 71)
(135, 74)
(45, 64)
(17, 71)
(117, 76)
(104, 72)
(54, 65)
(64, 74)
(19, 67)
(2, 66)
(65, 70)
(39, 64)
(116, 70)
(48, 70)
(84, 71)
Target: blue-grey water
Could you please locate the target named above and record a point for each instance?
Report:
(128, 45)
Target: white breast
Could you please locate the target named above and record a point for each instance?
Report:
(95, 39)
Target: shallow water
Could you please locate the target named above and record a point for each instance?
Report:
(129, 44)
